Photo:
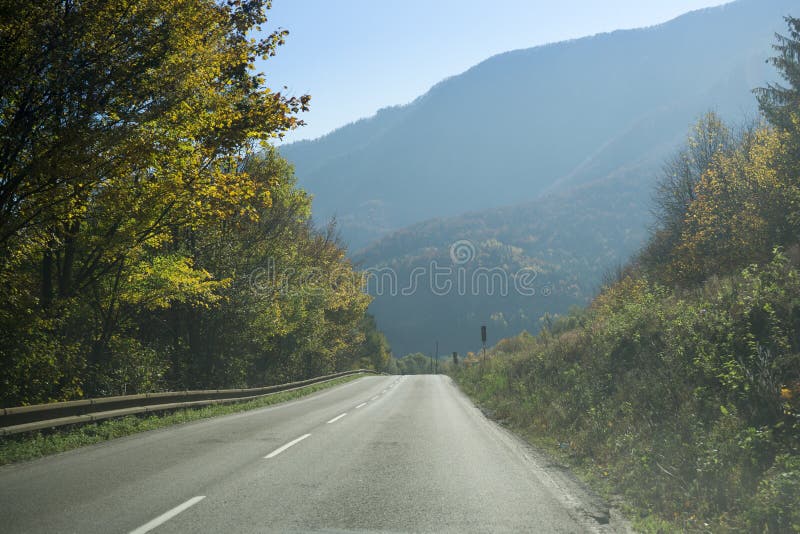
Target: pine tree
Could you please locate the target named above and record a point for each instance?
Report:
(779, 103)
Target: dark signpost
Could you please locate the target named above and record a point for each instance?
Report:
(483, 340)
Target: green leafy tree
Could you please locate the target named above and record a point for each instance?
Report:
(415, 364)
(375, 352)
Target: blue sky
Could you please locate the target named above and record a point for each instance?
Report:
(356, 56)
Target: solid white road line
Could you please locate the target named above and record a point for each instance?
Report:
(279, 450)
(166, 516)
(361, 405)
(337, 418)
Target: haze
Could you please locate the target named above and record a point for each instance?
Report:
(356, 56)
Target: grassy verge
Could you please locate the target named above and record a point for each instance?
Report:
(642, 466)
(642, 520)
(556, 450)
(33, 445)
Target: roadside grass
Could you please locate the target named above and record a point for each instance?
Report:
(32, 445)
(601, 482)
(640, 519)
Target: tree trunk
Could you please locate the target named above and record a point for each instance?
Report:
(47, 278)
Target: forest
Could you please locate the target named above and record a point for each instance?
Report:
(678, 387)
(565, 242)
(150, 236)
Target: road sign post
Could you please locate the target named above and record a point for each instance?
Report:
(483, 341)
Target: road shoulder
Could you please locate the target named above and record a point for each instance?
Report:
(583, 504)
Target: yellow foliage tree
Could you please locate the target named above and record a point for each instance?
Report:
(740, 209)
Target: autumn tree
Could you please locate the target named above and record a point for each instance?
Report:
(93, 91)
(675, 188)
(137, 197)
(738, 215)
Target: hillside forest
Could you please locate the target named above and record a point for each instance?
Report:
(150, 236)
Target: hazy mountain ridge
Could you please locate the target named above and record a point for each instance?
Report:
(349, 138)
(514, 125)
(550, 152)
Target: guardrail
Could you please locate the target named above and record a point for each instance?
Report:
(40, 416)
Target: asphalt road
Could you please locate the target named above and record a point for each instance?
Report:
(379, 454)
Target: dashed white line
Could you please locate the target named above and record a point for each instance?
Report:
(279, 450)
(166, 516)
(361, 405)
(337, 418)
(375, 397)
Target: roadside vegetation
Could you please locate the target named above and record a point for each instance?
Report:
(679, 386)
(412, 364)
(150, 236)
(36, 444)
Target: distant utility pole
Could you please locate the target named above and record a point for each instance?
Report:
(455, 358)
(436, 360)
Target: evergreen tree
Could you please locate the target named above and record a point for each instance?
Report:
(780, 103)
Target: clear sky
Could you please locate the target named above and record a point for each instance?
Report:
(356, 56)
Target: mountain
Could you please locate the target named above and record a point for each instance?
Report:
(442, 279)
(531, 121)
(542, 160)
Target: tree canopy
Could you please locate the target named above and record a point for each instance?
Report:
(139, 198)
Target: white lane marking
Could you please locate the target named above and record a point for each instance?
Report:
(279, 450)
(166, 516)
(361, 405)
(337, 418)
(375, 397)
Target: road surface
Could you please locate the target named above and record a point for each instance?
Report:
(379, 454)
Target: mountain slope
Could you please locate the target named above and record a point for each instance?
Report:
(502, 267)
(539, 120)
